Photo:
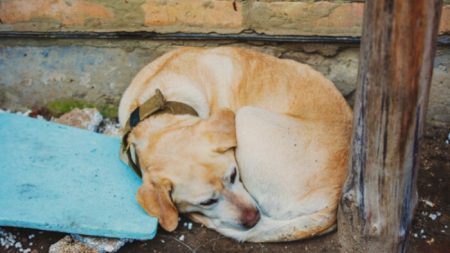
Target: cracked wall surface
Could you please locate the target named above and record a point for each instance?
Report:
(98, 71)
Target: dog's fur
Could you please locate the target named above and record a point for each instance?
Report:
(281, 123)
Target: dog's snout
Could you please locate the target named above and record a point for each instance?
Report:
(250, 217)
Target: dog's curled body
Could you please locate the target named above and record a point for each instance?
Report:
(291, 137)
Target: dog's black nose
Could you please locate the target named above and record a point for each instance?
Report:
(250, 217)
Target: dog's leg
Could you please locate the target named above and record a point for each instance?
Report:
(272, 230)
(285, 166)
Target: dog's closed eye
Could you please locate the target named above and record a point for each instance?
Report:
(209, 202)
(233, 176)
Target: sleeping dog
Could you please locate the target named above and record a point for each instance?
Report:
(252, 146)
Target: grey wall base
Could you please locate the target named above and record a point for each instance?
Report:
(36, 72)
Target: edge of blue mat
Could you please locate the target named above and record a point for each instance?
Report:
(81, 231)
(152, 224)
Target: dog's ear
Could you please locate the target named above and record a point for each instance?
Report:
(154, 197)
(221, 130)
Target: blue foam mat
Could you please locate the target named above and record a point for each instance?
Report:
(60, 178)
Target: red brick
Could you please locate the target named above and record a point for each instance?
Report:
(194, 15)
(75, 13)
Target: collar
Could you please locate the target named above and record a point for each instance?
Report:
(157, 104)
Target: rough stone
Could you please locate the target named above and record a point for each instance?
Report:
(87, 118)
(342, 69)
(68, 245)
(102, 245)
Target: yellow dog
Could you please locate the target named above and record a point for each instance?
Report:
(264, 160)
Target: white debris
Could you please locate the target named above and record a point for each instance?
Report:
(415, 235)
(18, 245)
(181, 238)
(111, 129)
(190, 225)
(438, 213)
(428, 203)
(185, 224)
(162, 241)
(31, 236)
(26, 113)
(87, 118)
(432, 216)
(9, 240)
(422, 231)
(445, 226)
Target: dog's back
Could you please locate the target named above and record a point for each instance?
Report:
(293, 130)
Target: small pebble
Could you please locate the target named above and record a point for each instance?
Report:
(181, 238)
(190, 225)
(432, 216)
(162, 241)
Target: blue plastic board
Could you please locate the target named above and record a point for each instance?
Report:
(60, 178)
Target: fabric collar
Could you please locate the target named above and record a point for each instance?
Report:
(157, 104)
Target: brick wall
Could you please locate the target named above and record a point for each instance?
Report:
(34, 72)
(304, 17)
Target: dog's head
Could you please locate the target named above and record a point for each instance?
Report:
(189, 167)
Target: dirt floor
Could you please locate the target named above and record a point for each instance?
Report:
(429, 233)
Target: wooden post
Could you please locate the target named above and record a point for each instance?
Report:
(396, 62)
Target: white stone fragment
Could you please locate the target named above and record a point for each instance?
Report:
(432, 216)
(181, 238)
(111, 129)
(428, 203)
(190, 225)
(18, 245)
